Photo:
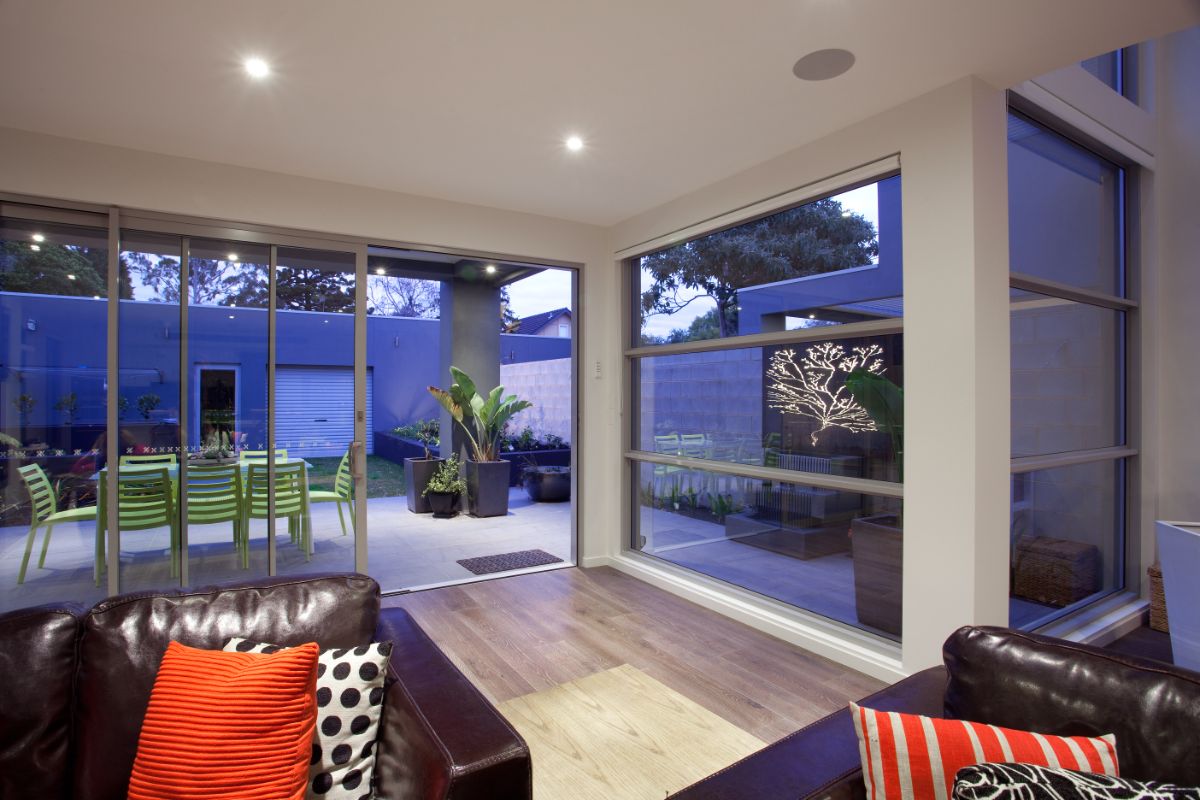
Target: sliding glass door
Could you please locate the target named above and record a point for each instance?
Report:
(184, 403)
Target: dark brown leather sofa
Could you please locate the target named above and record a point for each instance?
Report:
(1001, 677)
(74, 685)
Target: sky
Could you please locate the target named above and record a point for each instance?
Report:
(545, 291)
(864, 201)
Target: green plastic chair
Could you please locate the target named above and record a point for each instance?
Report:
(261, 455)
(149, 460)
(291, 501)
(343, 492)
(214, 494)
(45, 512)
(145, 500)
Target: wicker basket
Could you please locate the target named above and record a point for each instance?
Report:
(1158, 599)
(1055, 572)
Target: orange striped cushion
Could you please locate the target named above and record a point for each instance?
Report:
(228, 725)
(910, 756)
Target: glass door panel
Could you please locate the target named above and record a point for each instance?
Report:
(148, 410)
(227, 349)
(314, 410)
(53, 326)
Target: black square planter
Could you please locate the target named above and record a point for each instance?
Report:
(418, 471)
(487, 488)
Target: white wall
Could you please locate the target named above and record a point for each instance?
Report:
(1177, 212)
(952, 151)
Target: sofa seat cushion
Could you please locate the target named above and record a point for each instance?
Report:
(231, 725)
(124, 638)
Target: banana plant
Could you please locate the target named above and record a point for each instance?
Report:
(482, 418)
(884, 403)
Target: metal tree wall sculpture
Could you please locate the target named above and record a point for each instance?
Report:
(812, 387)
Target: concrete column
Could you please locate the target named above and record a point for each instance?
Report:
(956, 381)
(470, 340)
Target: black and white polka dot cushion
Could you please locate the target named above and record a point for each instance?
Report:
(349, 702)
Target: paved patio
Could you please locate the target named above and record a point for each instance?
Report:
(405, 550)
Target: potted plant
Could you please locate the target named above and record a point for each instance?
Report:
(146, 404)
(24, 404)
(877, 542)
(547, 484)
(444, 488)
(67, 406)
(216, 449)
(419, 471)
(482, 419)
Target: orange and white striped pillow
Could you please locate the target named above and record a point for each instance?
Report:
(909, 756)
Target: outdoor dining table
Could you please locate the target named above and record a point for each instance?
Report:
(173, 473)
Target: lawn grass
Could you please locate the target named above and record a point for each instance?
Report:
(384, 478)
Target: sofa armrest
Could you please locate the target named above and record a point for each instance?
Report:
(821, 760)
(441, 738)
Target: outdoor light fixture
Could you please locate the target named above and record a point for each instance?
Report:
(37, 237)
(70, 277)
(380, 271)
(257, 68)
(574, 144)
(490, 269)
(232, 257)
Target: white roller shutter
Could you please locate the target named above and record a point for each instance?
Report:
(314, 410)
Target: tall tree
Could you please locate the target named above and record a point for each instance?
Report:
(55, 269)
(508, 319)
(807, 240)
(403, 297)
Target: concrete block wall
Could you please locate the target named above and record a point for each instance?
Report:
(547, 384)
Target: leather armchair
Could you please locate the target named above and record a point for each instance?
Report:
(74, 686)
(1002, 677)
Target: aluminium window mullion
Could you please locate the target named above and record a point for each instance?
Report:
(185, 249)
(840, 483)
(852, 330)
(1023, 464)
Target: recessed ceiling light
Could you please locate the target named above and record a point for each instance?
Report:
(380, 271)
(231, 316)
(95, 297)
(847, 213)
(821, 65)
(35, 247)
(232, 256)
(574, 144)
(37, 237)
(257, 68)
(70, 277)
(490, 269)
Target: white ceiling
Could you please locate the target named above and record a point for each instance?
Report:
(471, 100)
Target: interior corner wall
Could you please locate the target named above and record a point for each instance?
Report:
(1177, 226)
(55, 168)
(953, 154)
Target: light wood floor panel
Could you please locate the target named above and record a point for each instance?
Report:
(621, 735)
(526, 634)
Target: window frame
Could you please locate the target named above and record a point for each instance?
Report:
(633, 352)
(1123, 455)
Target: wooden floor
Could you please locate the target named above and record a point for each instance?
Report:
(621, 735)
(516, 636)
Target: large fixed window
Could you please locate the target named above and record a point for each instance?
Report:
(1069, 314)
(768, 438)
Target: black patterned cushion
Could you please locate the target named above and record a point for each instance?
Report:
(1029, 782)
(349, 703)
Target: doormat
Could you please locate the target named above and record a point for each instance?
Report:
(484, 565)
